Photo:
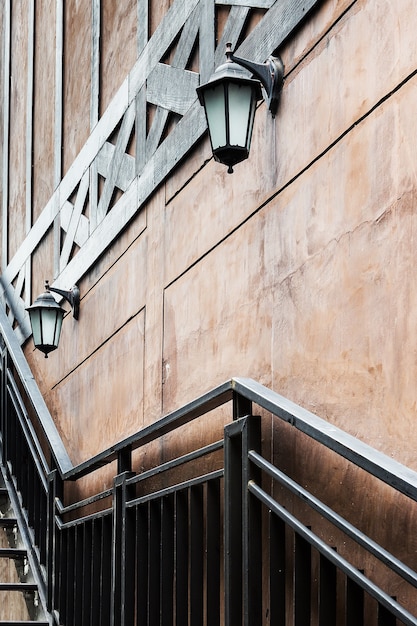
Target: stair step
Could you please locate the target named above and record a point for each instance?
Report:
(12, 553)
(18, 587)
(8, 522)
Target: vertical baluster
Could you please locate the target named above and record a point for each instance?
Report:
(15, 443)
(53, 561)
(302, 581)
(277, 571)
(78, 579)
(213, 565)
(196, 554)
(122, 553)
(181, 557)
(34, 488)
(243, 542)
(233, 523)
(95, 568)
(43, 523)
(106, 572)
(154, 589)
(167, 562)
(385, 617)
(3, 404)
(251, 525)
(86, 579)
(62, 568)
(327, 592)
(128, 561)
(242, 407)
(142, 564)
(8, 439)
(56, 559)
(8, 435)
(70, 567)
(354, 604)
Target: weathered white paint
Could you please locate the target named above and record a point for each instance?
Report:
(171, 89)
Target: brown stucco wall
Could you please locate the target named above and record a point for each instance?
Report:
(297, 270)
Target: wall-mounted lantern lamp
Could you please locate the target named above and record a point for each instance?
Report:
(46, 317)
(229, 99)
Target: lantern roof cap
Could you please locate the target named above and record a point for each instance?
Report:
(45, 300)
(232, 72)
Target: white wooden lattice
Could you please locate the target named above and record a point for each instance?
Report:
(85, 234)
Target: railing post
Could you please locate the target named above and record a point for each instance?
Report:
(3, 354)
(241, 406)
(243, 531)
(123, 554)
(124, 460)
(4, 408)
(54, 492)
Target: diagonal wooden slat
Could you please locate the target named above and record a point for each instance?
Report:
(188, 37)
(254, 4)
(180, 59)
(233, 27)
(282, 18)
(116, 161)
(19, 286)
(75, 218)
(155, 133)
(206, 48)
(126, 171)
(167, 31)
(172, 88)
(141, 130)
(83, 228)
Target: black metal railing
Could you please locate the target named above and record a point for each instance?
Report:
(219, 535)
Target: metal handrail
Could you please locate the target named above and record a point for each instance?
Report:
(361, 454)
(246, 397)
(333, 557)
(388, 470)
(55, 443)
(337, 520)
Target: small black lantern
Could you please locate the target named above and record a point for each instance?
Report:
(46, 317)
(229, 99)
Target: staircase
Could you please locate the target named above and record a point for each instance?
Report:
(19, 594)
(212, 536)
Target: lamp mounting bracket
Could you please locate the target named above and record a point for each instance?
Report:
(270, 74)
(72, 296)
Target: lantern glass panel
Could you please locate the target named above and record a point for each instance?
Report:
(46, 326)
(35, 322)
(216, 116)
(51, 326)
(240, 103)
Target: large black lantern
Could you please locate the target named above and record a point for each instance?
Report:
(230, 98)
(46, 317)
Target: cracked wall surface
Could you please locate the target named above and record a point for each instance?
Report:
(298, 270)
